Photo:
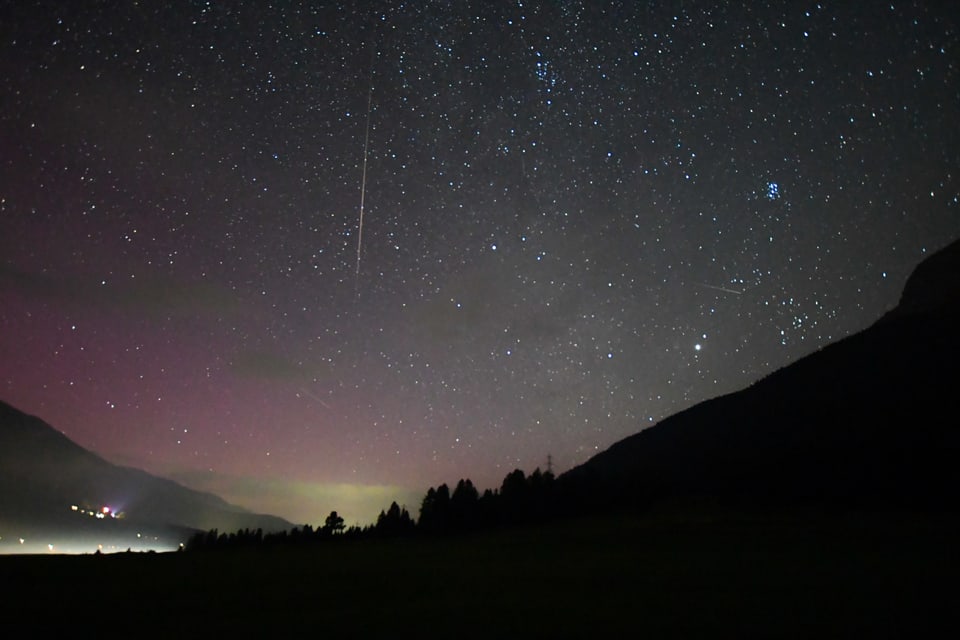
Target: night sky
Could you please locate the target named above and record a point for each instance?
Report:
(578, 219)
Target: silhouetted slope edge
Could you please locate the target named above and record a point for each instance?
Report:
(869, 421)
(934, 286)
(43, 473)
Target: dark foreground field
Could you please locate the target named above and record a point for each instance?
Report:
(870, 576)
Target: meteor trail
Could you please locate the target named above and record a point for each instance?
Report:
(716, 288)
(363, 185)
(315, 397)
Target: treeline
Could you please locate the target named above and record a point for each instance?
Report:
(520, 499)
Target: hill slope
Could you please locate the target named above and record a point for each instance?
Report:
(869, 420)
(43, 474)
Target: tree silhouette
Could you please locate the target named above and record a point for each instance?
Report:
(333, 525)
(435, 509)
(520, 499)
(464, 512)
(395, 521)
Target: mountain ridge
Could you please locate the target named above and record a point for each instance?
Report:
(857, 423)
(45, 478)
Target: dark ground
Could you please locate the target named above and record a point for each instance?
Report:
(890, 575)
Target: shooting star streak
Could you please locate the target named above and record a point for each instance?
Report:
(363, 180)
(314, 397)
(716, 288)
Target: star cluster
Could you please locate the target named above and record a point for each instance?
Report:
(580, 217)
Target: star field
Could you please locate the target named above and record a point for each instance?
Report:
(579, 219)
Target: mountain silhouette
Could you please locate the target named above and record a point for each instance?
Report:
(867, 422)
(51, 489)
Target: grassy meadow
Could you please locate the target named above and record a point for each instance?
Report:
(663, 576)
